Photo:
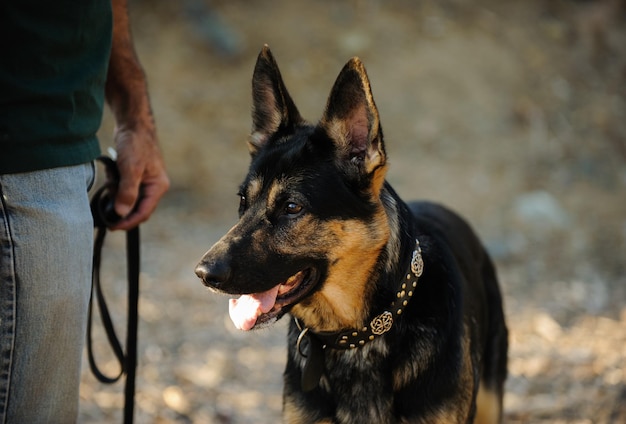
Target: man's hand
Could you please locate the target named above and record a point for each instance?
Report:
(143, 179)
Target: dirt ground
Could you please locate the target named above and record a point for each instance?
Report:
(512, 113)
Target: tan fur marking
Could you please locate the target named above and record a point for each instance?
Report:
(337, 130)
(379, 179)
(487, 407)
(293, 415)
(466, 379)
(278, 188)
(368, 89)
(254, 187)
(404, 375)
(273, 193)
(443, 417)
(342, 301)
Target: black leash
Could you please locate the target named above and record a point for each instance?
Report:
(104, 215)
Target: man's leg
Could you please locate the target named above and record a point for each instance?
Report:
(46, 239)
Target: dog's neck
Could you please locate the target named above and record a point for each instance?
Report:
(382, 322)
(355, 338)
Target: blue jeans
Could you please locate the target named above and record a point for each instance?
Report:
(46, 239)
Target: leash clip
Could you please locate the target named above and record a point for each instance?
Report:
(303, 333)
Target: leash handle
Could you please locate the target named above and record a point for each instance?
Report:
(104, 216)
(103, 199)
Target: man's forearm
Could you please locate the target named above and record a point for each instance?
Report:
(126, 90)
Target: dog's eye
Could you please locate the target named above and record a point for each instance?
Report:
(293, 208)
(242, 203)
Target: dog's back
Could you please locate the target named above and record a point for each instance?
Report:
(482, 295)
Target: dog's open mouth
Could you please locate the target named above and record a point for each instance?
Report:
(257, 309)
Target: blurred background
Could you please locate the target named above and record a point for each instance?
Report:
(512, 113)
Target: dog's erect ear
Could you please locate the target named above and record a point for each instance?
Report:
(351, 120)
(272, 107)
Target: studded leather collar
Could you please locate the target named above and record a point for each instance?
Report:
(354, 338)
(381, 323)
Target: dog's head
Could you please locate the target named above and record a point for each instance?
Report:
(311, 224)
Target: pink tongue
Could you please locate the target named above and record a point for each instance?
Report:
(245, 310)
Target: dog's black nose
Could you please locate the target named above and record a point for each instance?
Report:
(213, 274)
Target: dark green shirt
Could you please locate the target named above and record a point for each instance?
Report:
(53, 63)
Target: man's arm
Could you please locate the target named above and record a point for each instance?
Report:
(138, 155)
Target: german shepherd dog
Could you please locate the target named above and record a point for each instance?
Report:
(397, 315)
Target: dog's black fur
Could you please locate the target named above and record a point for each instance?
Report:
(318, 220)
